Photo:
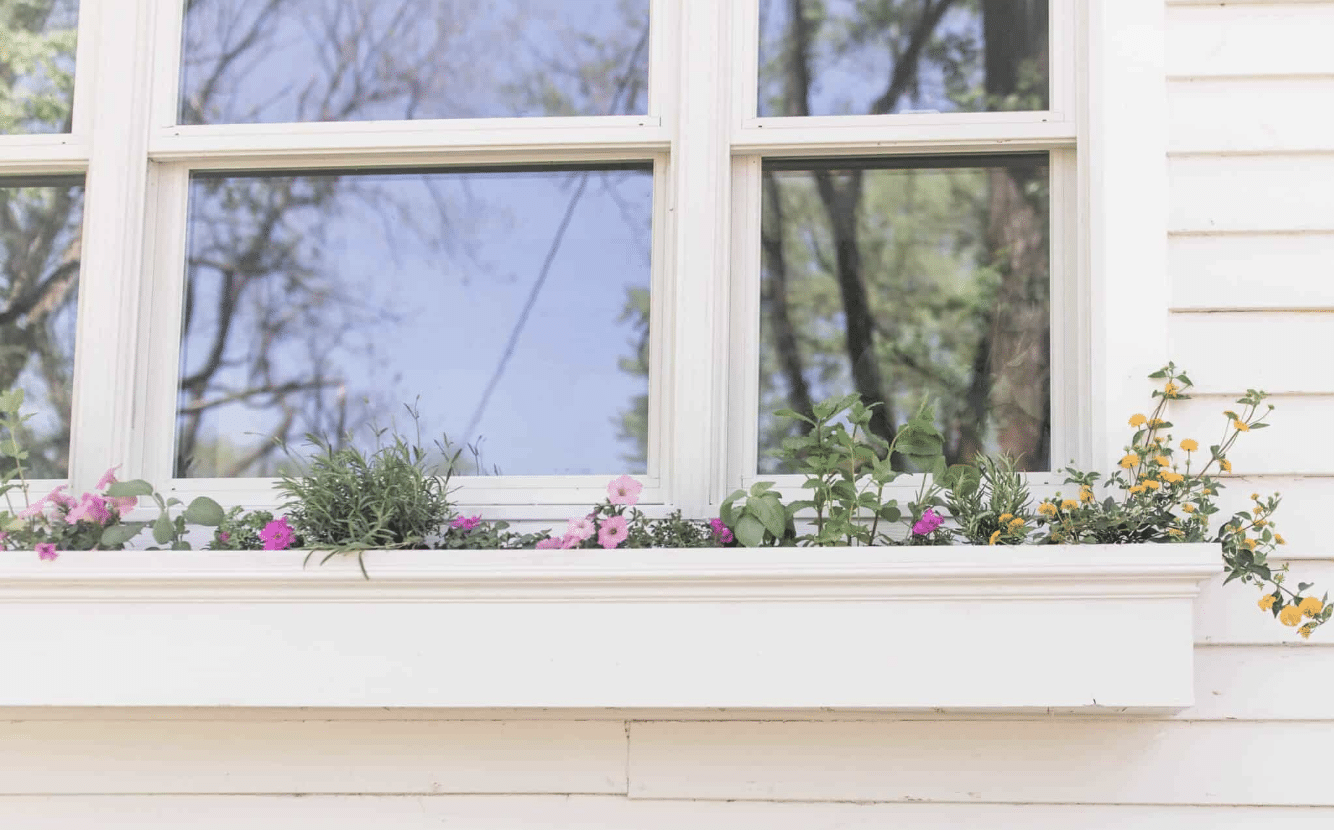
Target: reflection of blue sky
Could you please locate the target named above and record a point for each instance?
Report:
(451, 290)
(47, 77)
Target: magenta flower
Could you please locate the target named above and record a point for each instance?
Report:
(721, 532)
(613, 532)
(46, 550)
(549, 543)
(581, 529)
(624, 490)
(928, 523)
(89, 509)
(277, 535)
(224, 536)
(55, 497)
(466, 522)
(108, 478)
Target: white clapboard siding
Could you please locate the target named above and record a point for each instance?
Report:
(337, 756)
(1303, 516)
(1278, 352)
(1252, 271)
(1228, 614)
(1261, 192)
(1283, 447)
(1059, 761)
(607, 813)
(1262, 683)
(1232, 39)
(1247, 115)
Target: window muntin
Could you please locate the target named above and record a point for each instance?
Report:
(844, 57)
(510, 307)
(37, 46)
(360, 60)
(40, 232)
(904, 278)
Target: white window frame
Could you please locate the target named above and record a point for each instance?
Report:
(1105, 132)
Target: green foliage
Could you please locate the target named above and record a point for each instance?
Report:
(990, 506)
(759, 517)
(485, 536)
(239, 530)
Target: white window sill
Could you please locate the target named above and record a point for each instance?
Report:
(1092, 628)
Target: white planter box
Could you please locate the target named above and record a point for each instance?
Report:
(1093, 628)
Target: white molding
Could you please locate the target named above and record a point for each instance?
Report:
(887, 135)
(39, 155)
(770, 628)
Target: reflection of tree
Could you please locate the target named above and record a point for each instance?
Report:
(995, 377)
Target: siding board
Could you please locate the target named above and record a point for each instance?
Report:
(1238, 115)
(1234, 39)
(1285, 447)
(1263, 192)
(1280, 352)
(1252, 271)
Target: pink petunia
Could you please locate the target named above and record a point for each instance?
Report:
(55, 497)
(613, 532)
(277, 535)
(721, 532)
(466, 522)
(581, 529)
(928, 523)
(46, 550)
(624, 490)
(549, 543)
(108, 478)
(90, 509)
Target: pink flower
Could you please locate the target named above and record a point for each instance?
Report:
(90, 509)
(466, 522)
(624, 490)
(46, 550)
(721, 532)
(108, 478)
(224, 536)
(549, 543)
(614, 531)
(277, 535)
(55, 497)
(581, 529)
(928, 523)
(569, 541)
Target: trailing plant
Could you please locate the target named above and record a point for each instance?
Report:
(617, 522)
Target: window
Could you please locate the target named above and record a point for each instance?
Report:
(598, 241)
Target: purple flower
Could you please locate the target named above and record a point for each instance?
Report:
(466, 522)
(721, 532)
(928, 523)
(277, 535)
(46, 550)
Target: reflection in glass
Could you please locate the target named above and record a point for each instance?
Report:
(509, 306)
(852, 57)
(906, 278)
(37, 39)
(40, 219)
(265, 61)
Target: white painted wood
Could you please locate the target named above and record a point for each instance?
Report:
(1284, 448)
(106, 757)
(1246, 271)
(1249, 39)
(537, 812)
(765, 628)
(41, 155)
(1228, 614)
(1244, 115)
(1260, 192)
(1229, 352)
(1066, 762)
(897, 134)
(1262, 683)
(1303, 518)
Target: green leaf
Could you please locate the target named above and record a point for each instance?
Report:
(117, 535)
(761, 487)
(163, 531)
(749, 532)
(771, 515)
(204, 511)
(134, 487)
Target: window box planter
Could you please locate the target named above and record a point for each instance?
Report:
(1093, 628)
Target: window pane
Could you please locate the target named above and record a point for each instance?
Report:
(40, 219)
(852, 57)
(909, 278)
(510, 306)
(359, 60)
(37, 65)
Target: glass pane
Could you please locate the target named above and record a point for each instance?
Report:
(360, 60)
(904, 279)
(40, 221)
(856, 57)
(37, 40)
(509, 306)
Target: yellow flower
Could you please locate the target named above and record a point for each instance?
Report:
(1290, 615)
(1305, 631)
(1086, 494)
(1209, 491)
(1278, 537)
(1225, 465)
(1267, 601)
(1259, 523)
(1069, 504)
(1175, 531)
(1171, 477)
(1257, 510)
(1189, 508)
(1311, 606)
(1161, 460)
(1047, 509)
(1138, 420)
(1157, 422)
(994, 537)
(1255, 496)
(1004, 517)
(1138, 488)
(1129, 461)
(1016, 522)
(1241, 425)
(1171, 389)
(1248, 543)
(1158, 439)
(1151, 484)
(1189, 445)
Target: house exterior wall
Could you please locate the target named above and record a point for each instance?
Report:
(1251, 230)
